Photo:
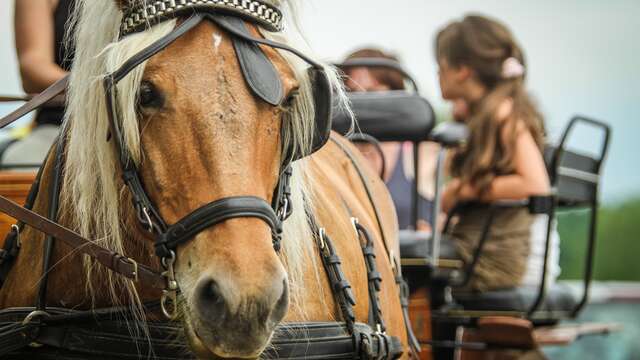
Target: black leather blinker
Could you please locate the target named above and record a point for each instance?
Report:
(261, 75)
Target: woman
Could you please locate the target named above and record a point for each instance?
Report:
(40, 27)
(398, 157)
(481, 64)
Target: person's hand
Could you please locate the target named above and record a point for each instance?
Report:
(424, 226)
(450, 195)
(460, 110)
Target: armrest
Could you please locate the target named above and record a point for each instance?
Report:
(450, 134)
(414, 244)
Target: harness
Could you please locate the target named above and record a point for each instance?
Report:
(103, 333)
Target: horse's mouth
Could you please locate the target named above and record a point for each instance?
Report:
(204, 349)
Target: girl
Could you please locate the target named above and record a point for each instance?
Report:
(481, 64)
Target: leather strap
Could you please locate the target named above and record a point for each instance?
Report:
(404, 291)
(340, 286)
(54, 202)
(116, 262)
(214, 213)
(37, 101)
(373, 276)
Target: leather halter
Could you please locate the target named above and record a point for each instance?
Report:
(169, 237)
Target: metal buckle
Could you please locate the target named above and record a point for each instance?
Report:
(284, 208)
(321, 235)
(135, 268)
(354, 223)
(35, 314)
(169, 295)
(16, 228)
(145, 212)
(29, 318)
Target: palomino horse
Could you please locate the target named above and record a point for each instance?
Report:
(195, 132)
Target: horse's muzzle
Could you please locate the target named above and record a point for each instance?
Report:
(233, 322)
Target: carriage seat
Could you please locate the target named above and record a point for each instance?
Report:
(450, 134)
(559, 298)
(414, 244)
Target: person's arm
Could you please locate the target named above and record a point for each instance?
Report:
(34, 33)
(530, 177)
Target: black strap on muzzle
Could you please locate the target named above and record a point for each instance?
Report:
(214, 213)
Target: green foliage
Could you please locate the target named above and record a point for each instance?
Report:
(617, 245)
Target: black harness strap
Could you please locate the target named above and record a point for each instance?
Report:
(373, 276)
(54, 202)
(214, 213)
(404, 289)
(11, 245)
(66, 335)
(340, 286)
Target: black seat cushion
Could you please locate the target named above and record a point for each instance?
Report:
(559, 298)
(414, 244)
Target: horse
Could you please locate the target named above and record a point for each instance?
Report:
(195, 131)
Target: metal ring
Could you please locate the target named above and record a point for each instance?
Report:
(35, 314)
(172, 259)
(170, 312)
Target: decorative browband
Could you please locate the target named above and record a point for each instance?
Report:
(140, 16)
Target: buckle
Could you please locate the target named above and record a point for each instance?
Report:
(135, 268)
(16, 229)
(168, 301)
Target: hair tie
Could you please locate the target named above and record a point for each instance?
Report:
(512, 68)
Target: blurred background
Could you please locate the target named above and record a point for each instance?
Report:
(582, 59)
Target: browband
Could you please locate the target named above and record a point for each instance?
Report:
(143, 14)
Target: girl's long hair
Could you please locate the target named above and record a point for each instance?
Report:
(484, 45)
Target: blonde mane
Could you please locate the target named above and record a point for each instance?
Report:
(93, 194)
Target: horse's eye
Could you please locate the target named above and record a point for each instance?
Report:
(149, 96)
(288, 102)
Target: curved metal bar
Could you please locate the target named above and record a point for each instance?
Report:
(380, 63)
(368, 139)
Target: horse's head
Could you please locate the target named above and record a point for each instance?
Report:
(199, 114)
(205, 137)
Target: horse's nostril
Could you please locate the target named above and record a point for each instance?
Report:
(212, 304)
(211, 293)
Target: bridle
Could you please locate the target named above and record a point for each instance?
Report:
(361, 340)
(254, 63)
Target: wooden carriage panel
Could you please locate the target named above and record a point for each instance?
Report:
(15, 186)
(420, 314)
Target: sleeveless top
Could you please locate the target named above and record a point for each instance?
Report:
(401, 191)
(63, 57)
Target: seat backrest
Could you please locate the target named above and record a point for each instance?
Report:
(388, 116)
(574, 174)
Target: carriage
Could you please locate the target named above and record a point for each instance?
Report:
(252, 210)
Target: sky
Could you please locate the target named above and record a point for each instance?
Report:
(582, 59)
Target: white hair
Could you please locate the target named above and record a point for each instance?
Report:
(92, 193)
